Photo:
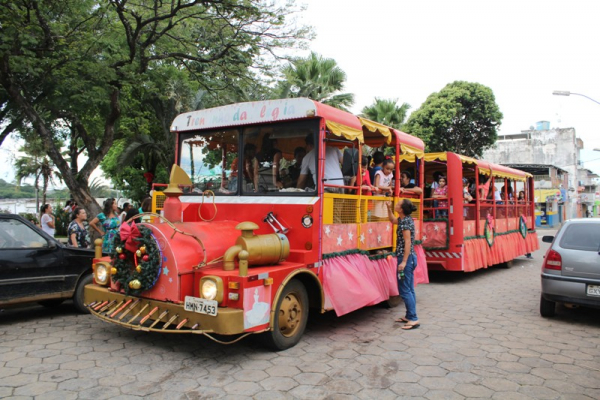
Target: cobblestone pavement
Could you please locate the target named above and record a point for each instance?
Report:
(481, 337)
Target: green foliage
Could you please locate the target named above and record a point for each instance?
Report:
(318, 79)
(387, 112)
(62, 219)
(463, 118)
(91, 73)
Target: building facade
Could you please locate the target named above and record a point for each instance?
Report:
(555, 151)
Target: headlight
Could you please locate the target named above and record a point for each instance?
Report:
(102, 273)
(211, 288)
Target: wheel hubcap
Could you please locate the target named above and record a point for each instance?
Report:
(290, 314)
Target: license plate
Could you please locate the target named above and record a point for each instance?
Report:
(593, 290)
(200, 306)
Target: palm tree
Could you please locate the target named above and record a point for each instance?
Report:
(317, 78)
(387, 112)
(36, 164)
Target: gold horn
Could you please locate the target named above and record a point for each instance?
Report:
(178, 177)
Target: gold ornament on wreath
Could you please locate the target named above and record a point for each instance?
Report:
(137, 259)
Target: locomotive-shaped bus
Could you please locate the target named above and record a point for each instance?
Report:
(259, 224)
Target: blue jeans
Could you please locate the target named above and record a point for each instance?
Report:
(406, 287)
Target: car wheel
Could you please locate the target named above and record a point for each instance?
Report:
(78, 297)
(51, 303)
(291, 315)
(547, 307)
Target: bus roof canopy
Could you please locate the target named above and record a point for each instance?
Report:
(484, 167)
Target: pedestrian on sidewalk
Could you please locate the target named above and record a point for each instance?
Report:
(407, 260)
(48, 222)
(77, 233)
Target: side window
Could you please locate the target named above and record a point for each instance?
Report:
(584, 237)
(15, 234)
(211, 161)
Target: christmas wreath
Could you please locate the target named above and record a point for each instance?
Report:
(523, 227)
(488, 230)
(136, 258)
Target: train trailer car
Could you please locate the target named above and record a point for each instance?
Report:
(259, 225)
(483, 217)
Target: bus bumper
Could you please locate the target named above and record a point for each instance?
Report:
(149, 315)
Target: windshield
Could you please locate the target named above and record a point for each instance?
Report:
(256, 160)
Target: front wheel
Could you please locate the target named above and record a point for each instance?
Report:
(78, 296)
(291, 315)
(547, 307)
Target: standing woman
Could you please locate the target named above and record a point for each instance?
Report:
(77, 234)
(47, 220)
(109, 219)
(407, 260)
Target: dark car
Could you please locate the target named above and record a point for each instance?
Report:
(35, 267)
(571, 269)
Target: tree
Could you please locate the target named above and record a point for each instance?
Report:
(387, 112)
(70, 68)
(463, 118)
(317, 78)
(36, 164)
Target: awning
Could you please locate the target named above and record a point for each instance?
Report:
(410, 153)
(345, 131)
(377, 127)
(443, 156)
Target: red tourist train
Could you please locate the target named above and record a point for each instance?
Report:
(247, 241)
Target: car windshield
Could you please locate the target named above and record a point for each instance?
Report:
(253, 160)
(583, 236)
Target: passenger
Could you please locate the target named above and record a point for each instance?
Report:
(76, 233)
(497, 196)
(406, 186)
(383, 183)
(378, 158)
(467, 198)
(250, 168)
(294, 169)
(436, 177)
(333, 172)
(441, 192)
(366, 187)
(384, 177)
(521, 198)
(484, 188)
(271, 156)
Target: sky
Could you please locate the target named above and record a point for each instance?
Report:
(523, 50)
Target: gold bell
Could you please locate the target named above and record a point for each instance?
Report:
(135, 284)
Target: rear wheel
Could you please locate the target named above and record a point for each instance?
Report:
(392, 302)
(291, 314)
(78, 296)
(547, 307)
(506, 265)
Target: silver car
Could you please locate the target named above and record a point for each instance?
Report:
(571, 269)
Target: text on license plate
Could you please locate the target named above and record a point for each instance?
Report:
(593, 290)
(201, 306)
